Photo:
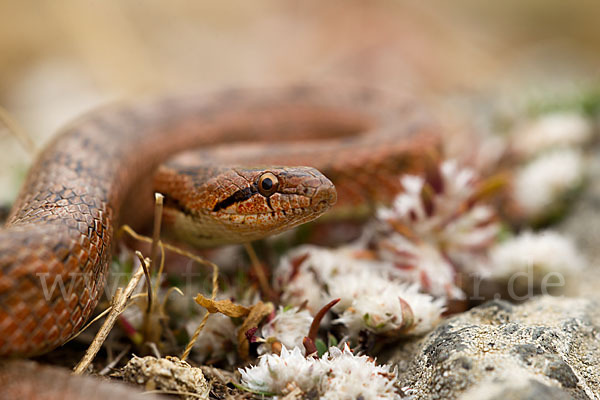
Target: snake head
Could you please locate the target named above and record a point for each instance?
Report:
(209, 206)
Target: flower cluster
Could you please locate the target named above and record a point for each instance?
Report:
(550, 150)
(540, 185)
(551, 131)
(436, 228)
(543, 253)
(337, 375)
(385, 307)
(372, 295)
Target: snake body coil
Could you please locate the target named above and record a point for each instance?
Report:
(56, 245)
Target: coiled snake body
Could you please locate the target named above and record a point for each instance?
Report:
(56, 245)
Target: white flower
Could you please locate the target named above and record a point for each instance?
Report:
(551, 131)
(289, 327)
(546, 179)
(541, 253)
(351, 377)
(338, 375)
(370, 302)
(426, 217)
(442, 217)
(280, 374)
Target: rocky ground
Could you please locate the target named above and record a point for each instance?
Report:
(544, 348)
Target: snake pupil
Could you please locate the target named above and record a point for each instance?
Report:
(267, 184)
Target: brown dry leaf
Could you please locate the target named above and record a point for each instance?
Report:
(225, 307)
(257, 313)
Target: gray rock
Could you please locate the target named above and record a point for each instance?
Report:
(521, 389)
(546, 348)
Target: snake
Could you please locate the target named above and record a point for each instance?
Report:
(267, 160)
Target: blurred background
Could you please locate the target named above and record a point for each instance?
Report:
(63, 57)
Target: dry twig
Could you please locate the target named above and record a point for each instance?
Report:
(215, 278)
(119, 302)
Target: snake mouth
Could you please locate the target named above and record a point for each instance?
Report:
(212, 229)
(320, 204)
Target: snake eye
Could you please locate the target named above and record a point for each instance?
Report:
(267, 184)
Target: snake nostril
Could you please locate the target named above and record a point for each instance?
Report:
(324, 197)
(333, 197)
(323, 204)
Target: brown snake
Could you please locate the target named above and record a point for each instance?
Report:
(94, 176)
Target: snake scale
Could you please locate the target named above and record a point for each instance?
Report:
(95, 175)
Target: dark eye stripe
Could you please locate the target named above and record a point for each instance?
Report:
(240, 195)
